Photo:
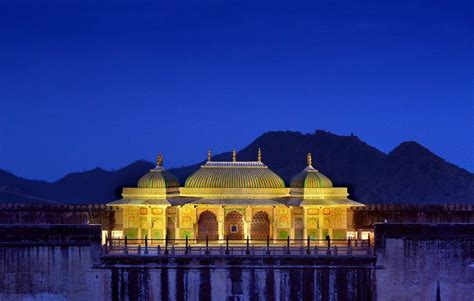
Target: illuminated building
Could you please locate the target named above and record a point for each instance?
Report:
(234, 199)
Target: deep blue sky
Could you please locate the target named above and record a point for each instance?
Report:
(93, 83)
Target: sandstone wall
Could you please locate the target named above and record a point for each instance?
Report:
(413, 259)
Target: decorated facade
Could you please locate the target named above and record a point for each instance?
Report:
(235, 200)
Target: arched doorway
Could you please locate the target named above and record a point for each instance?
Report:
(171, 230)
(260, 226)
(207, 226)
(299, 227)
(234, 225)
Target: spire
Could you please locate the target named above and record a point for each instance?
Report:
(259, 157)
(309, 159)
(159, 160)
(234, 156)
(209, 155)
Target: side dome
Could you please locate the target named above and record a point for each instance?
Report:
(310, 178)
(158, 177)
(241, 174)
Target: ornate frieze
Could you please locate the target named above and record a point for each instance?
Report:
(148, 193)
(234, 193)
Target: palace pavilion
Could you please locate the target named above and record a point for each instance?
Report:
(235, 200)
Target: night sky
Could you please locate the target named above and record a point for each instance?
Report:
(104, 83)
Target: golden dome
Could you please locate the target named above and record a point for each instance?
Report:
(234, 174)
(310, 178)
(158, 177)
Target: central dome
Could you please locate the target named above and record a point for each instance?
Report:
(233, 174)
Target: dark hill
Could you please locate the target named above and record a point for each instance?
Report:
(93, 186)
(410, 174)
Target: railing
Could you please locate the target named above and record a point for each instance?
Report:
(237, 247)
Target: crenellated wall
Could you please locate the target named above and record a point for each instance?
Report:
(57, 214)
(366, 217)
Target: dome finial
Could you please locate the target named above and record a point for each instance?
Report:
(234, 156)
(159, 160)
(209, 155)
(309, 159)
(259, 157)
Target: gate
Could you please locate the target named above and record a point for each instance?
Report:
(171, 230)
(207, 226)
(299, 228)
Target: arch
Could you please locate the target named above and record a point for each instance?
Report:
(260, 228)
(171, 229)
(234, 225)
(299, 227)
(207, 226)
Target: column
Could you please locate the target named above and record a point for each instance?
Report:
(247, 222)
(305, 224)
(321, 223)
(274, 224)
(292, 224)
(149, 222)
(165, 221)
(220, 222)
(177, 223)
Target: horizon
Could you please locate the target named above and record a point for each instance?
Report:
(168, 167)
(88, 84)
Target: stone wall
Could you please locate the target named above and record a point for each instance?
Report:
(414, 260)
(67, 273)
(50, 273)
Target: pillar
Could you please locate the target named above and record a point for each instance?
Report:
(292, 231)
(247, 222)
(274, 224)
(305, 223)
(177, 233)
(220, 222)
(149, 224)
(165, 221)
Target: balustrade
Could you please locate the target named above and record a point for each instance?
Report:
(238, 247)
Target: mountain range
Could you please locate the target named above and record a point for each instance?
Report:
(409, 174)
